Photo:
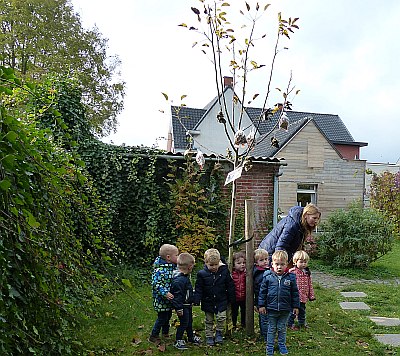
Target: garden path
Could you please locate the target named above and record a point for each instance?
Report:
(337, 282)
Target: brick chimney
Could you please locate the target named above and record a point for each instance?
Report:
(228, 82)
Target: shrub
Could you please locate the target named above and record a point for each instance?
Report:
(355, 237)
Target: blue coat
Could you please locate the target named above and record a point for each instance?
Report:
(161, 283)
(287, 235)
(182, 290)
(257, 280)
(279, 295)
(214, 290)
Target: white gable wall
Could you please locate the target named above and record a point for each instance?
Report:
(212, 138)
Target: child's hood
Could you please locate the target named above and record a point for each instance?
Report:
(160, 262)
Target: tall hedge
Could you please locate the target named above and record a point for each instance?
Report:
(55, 241)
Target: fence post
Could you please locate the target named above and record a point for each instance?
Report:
(249, 234)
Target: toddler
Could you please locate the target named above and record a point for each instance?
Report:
(239, 278)
(215, 290)
(278, 297)
(304, 284)
(182, 290)
(261, 264)
(164, 266)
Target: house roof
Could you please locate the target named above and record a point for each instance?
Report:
(330, 125)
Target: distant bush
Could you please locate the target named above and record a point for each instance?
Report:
(355, 237)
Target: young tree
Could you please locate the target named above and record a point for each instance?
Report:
(385, 196)
(38, 37)
(229, 46)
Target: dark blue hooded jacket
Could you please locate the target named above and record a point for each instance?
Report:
(279, 295)
(214, 290)
(287, 235)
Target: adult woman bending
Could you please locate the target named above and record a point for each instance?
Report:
(291, 232)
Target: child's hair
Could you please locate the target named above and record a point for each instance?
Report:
(301, 255)
(280, 255)
(239, 254)
(167, 249)
(185, 260)
(212, 255)
(260, 253)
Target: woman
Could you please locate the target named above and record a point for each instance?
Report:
(290, 233)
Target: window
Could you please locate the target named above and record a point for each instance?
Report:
(306, 193)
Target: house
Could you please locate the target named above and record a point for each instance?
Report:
(322, 159)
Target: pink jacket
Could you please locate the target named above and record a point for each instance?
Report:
(304, 284)
(240, 285)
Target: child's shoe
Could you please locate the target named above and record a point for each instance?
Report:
(283, 350)
(180, 345)
(210, 341)
(196, 340)
(218, 337)
(294, 327)
(154, 339)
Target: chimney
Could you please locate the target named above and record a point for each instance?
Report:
(228, 82)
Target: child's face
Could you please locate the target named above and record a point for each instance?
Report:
(240, 264)
(173, 257)
(279, 266)
(212, 266)
(301, 264)
(262, 262)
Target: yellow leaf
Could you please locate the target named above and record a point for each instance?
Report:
(183, 25)
(165, 96)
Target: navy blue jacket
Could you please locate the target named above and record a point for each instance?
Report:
(287, 235)
(214, 290)
(279, 295)
(182, 289)
(257, 280)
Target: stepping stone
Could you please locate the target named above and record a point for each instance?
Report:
(354, 306)
(380, 320)
(353, 294)
(389, 339)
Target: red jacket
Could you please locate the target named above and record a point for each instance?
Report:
(304, 284)
(239, 278)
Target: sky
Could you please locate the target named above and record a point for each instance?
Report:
(344, 59)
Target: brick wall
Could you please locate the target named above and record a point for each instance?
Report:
(256, 184)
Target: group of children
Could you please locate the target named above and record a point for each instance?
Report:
(280, 295)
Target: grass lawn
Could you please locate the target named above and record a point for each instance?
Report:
(124, 320)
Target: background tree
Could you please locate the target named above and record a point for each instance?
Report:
(38, 37)
(229, 45)
(385, 196)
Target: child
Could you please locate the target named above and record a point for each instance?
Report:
(304, 284)
(182, 290)
(215, 289)
(239, 278)
(278, 297)
(261, 264)
(164, 266)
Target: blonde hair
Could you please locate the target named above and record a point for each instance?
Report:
(260, 253)
(309, 209)
(280, 255)
(185, 260)
(212, 255)
(301, 255)
(167, 249)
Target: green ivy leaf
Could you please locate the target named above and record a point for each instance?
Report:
(5, 184)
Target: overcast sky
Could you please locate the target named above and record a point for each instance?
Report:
(344, 59)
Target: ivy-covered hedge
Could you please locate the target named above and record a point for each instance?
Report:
(154, 199)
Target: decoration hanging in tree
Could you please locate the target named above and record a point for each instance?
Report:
(200, 159)
(221, 118)
(284, 122)
(274, 142)
(240, 138)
